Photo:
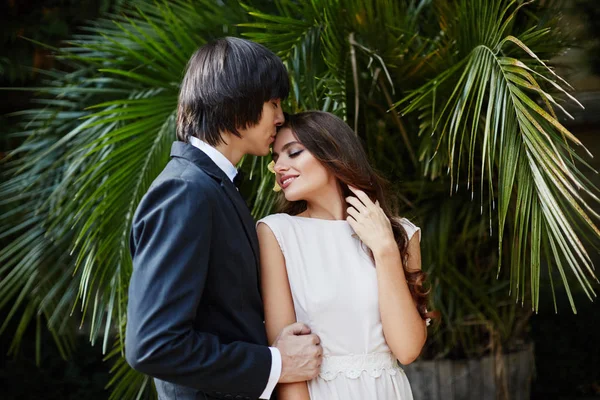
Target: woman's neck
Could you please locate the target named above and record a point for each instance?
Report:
(328, 205)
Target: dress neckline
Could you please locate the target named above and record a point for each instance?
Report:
(317, 219)
(321, 221)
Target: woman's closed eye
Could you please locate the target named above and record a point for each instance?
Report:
(295, 153)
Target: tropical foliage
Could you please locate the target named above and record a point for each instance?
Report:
(453, 99)
(40, 20)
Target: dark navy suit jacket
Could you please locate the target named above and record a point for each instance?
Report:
(195, 315)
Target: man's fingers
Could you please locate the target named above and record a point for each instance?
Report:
(297, 328)
(315, 339)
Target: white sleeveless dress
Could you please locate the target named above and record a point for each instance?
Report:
(334, 288)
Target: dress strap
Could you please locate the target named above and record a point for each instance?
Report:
(410, 228)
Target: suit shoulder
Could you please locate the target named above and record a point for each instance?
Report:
(179, 172)
(183, 186)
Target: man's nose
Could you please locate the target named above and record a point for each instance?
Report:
(279, 118)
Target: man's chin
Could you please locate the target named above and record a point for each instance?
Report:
(264, 152)
(259, 152)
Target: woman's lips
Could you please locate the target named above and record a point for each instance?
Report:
(287, 181)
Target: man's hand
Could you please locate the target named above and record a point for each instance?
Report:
(301, 353)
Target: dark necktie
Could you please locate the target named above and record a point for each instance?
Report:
(239, 178)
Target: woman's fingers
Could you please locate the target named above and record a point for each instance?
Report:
(362, 196)
(356, 203)
(353, 212)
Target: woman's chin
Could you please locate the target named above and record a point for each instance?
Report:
(291, 196)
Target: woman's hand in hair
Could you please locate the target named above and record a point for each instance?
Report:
(369, 222)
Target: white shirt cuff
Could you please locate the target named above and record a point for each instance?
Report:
(274, 375)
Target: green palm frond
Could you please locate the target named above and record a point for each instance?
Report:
(491, 125)
(127, 383)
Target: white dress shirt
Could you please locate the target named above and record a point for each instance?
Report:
(231, 171)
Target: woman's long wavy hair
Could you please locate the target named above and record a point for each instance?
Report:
(331, 141)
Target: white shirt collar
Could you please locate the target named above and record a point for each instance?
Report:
(215, 155)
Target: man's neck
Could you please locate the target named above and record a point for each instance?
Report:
(231, 148)
(233, 154)
(216, 156)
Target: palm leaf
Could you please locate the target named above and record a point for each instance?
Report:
(493, 108)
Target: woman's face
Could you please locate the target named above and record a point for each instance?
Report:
(300, 175)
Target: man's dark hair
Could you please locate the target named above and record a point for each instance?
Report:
(226, 83)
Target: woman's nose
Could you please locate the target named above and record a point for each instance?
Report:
(280, 167)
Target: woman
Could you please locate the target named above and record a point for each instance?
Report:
(337, 260)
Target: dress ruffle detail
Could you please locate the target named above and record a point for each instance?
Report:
(353, 365)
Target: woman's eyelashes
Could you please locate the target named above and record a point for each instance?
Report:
(291, 154)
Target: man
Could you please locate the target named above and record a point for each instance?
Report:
(195, 315)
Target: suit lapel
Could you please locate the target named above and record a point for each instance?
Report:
(198, 157)
(244, 213)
